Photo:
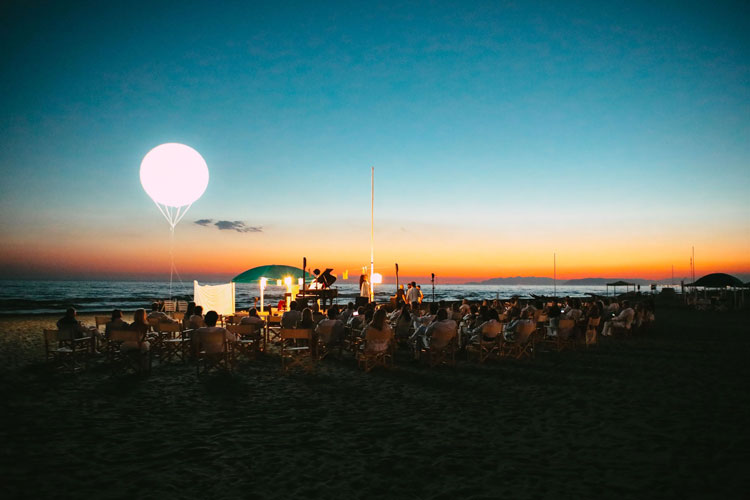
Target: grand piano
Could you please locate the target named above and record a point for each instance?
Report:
(320, 290)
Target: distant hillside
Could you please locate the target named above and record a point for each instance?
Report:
(533, 280)
(604, 281)
(517, 280)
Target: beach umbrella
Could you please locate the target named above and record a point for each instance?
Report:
(273, 272)
(717, 280)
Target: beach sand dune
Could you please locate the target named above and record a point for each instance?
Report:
(659, 416)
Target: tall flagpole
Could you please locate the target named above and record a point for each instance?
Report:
(372, 233)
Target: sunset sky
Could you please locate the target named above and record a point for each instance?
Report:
(616, 137)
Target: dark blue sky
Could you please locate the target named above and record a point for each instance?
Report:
(646, 101)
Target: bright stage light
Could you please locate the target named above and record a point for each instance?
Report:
(377, 278)
(174, 174)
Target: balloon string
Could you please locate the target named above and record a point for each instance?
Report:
(181, 215)
(171, 259)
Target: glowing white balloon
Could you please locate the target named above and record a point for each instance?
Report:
(174, 176)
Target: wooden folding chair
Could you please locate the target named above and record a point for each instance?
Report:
(213, 352)
(592, 326)
(442, 349)
(371, 352)
(486, 348)
(273, 327)
(182, 305)
(564, 338)
(523, 345)
(171, 342)
(293, 353)
(249, 340)
(67, 353)
(122, 360)
(101, 321)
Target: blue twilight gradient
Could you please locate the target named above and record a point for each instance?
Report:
(545, 105)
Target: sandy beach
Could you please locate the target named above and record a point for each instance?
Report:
(658, 416)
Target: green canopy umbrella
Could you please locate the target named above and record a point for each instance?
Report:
(272, 272)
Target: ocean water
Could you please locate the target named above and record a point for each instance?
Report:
(38, 297)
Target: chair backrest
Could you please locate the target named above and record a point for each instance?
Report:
(295, 333)
(492, 328)
(154, 322)
(524, 331)
(374, 335)
(168, 326)
(124, 336)
(101, 320)
(238, 329)
(215, 338)
(182, 305)
(51, 336)
(442, 337)
(565, 327)
(591, 330)
(170, 306)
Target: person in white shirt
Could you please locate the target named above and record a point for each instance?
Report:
(156, 313)
(622, 320)
(573, 310)
(209, 347)
(412, 294)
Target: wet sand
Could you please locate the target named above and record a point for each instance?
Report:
(664, 415)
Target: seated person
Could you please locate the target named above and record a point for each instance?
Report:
(291, 317)
(330, 330)
(465, 308)
(573, 310)
(622, 320)
(403, 323)
(253, 319)
(379, 324)
(306, 321)
(196, 320)
(441, 330)
(70, 325)
(525, 319)
(157, 314)
(489, 328)
(316, 314)
(213, 348)
(347, 313)
(116, 323)
(356, 321)
(140, 324)
(440, 325)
